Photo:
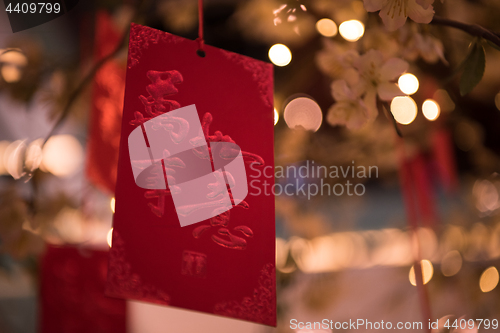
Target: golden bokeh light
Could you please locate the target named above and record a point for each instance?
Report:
(109, 237)
(301, 251)
(428, 241)
(11, 65)
(11, 73)
(13, 158)
(404, 109)
(408, 83)
(13, 56)
(303, 112)
(3, 149)
(451, 263)
(276, 116)
(431, 109)
(494, 246)
(112, 204)
(427, 272)
(280, 55)
(489, 279)
(487, 197)
(326, 27)
(62, 155)
(33, 155)
(352, 30)
(281, 252)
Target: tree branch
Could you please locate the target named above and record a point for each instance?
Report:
(387, 110)
(471, 29)
(142, 6)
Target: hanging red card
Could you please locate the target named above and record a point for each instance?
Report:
(444, 157)
(72, 293)
(107, 105)
(193, 226)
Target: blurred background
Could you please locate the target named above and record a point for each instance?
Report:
(340, 256)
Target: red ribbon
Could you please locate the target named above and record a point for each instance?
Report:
(424, 190)
(408, 187)
(200, 40)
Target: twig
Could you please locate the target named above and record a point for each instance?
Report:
(387, 109)
(471, 29)
(139, 12)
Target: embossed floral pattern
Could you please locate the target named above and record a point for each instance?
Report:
(261, 73)
(260, 307)
(123, 282)
(72, 282)
(141, 37)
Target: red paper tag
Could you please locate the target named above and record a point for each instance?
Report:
(190, 119)
(72, 293)
(444, 157)
(107, 105)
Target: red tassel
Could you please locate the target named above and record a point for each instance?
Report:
(408, 190)
(444, 157)
(424, 191)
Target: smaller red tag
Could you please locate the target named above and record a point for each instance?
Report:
(444, 157)
(106, 112)
(424, 192)
(72, 293)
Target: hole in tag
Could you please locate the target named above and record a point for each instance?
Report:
(201, 53)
